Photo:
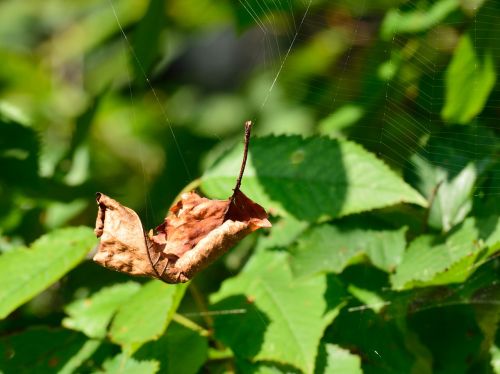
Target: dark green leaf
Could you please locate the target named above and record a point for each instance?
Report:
(44, 350)
(344, 179)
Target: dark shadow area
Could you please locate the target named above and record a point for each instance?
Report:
(335, 292)
(366, 276)
(39, 350)
(186, 346)
(306, 176)
(182, 164)
(379, 342)
(243, 332)
(452, 336)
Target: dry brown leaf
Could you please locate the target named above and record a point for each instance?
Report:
(196, 231)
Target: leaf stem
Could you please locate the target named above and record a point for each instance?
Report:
(201, 305)
(248, 128)
(186, 322)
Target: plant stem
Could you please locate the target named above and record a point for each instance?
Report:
(201, 305)
(248, 128)
(186, 322)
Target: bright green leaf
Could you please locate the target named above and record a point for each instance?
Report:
(435, 260)
(470, 77)
(312, 178)
(26, 272)
(495, 358)
(93, 314)
(146, 314)
(397, 22)
(329, 248)
(284, 318)
(284, 233)
(341, 361)
(369, 298)
(123, 364)
(339, 120)
(453, 201)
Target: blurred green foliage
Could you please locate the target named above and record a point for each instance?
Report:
(376, 153)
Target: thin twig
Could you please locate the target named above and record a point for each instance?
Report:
(201, 305)
(248, 128)
(186, 322)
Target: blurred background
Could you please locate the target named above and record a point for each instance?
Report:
(137, 98)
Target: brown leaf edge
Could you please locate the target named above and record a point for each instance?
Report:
(195, 233)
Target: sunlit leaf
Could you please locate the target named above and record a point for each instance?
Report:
(413, 21)
(123, 364)
(470, 77)
(330, 248)
(434, 260)
(93, 314)
(26, 272)
(284, 318)
(341, 361)
(146, 314)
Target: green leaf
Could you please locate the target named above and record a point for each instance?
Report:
(470, 77)
(170, 350)
(448, 170)
(284, 233)
(26, 272)
(453, 200)
(330, 248)
(43, 350)
(369, 298)
(123, 364)
(146, 314)
(437, 260)
(495, 358)
(93, 314)
(397, 22)
(340, 361)
(379, 340)
(284, 318)
(311, 178)
(247, 367)
(339, 120)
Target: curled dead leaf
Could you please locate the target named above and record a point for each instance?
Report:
(196, 232)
